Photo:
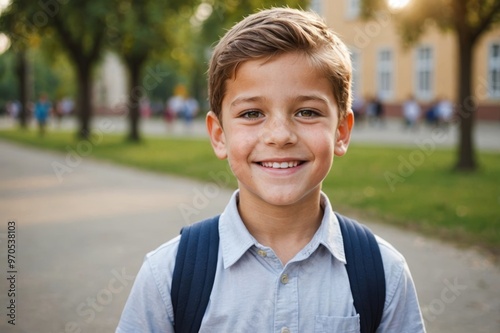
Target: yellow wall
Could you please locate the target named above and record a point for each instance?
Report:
(369, 37)
(480, 80)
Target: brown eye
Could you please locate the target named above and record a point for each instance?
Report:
(306, 113)
(252, 114)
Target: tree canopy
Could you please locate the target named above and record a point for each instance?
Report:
(177, 31)
(468, 20)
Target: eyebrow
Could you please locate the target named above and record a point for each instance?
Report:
(313, 97)
(300, 98)
(243, 99)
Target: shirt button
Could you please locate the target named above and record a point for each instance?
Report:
(284, 280)
(262, 253)
(285, 330)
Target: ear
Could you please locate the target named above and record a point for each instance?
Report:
(343, 134)
(217, 137)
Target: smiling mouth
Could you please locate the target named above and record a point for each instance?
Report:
(280, 165)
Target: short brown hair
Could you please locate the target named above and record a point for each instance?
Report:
(276, 31)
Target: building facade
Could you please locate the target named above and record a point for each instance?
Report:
(110, 86)
(426, 70)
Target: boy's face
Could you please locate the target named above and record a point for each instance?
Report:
(280, 129)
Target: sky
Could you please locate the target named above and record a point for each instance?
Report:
(4, 41)
(3, 4)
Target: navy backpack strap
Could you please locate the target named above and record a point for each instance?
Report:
(194, 274)
(366, 272)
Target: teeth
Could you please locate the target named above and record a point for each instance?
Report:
(278, 165)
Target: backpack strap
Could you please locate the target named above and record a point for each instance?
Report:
(196, 264)
(194, 273)
(366, 272)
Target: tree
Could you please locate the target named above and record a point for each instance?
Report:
(21, 39)
(79, 26)
(139, 31)
(208, 22)
(226, 13)
(468, 20)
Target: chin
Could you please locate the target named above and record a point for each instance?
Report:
(283, 200)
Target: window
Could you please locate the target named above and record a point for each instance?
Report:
(353, 9)
(385, 77)
(494, 70)
(424, 73)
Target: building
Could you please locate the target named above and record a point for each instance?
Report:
(110, 86)
(427, 70)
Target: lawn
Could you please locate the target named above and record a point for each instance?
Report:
(408, 187)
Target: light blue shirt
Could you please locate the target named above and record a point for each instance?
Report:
(254, 292)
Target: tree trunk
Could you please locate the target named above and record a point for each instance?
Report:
(136, 92)
(22, 74)
(466, 107)
(84, 107)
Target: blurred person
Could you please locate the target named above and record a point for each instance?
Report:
(379, 112)
(375, 110)
(175, 105)
(370, 110)
(145, 108)
(190, 110)
(431, 115)
(411, 113)
(42, 110)
(67, 106)
(358, 108)
(444, 111)
(64, 107)
(13, 109)
(58, 112)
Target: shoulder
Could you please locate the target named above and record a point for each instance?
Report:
(396, 270)
(155, 275)
(390, 255)
(401, 310)
(163, 257)
(149, 304)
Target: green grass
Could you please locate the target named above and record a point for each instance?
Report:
(426, 196)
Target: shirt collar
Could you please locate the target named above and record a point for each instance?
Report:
(329, 233)
(235, 239)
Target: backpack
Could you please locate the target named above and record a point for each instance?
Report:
(196, 264)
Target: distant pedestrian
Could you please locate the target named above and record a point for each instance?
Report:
(358, 108)
(190, 109)
(175, 104)
(43, 108)
(67, 106)
(411, 113)
(145, 108)
(431, 115)
(444, 110)
(379, 112)
(375, 112)
(13, 109)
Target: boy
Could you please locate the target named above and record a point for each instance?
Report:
(279, 86)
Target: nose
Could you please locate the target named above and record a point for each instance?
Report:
(279, 132)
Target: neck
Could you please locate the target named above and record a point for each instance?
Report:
(285, 229)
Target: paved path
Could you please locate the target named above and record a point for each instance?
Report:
(81, 239)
